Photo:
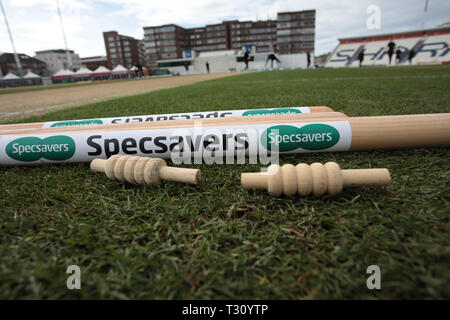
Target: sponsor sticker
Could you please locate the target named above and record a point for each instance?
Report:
(270, 112)
(71, 123)
(315, 136)
(29, 149)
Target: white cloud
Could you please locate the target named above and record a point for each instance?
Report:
(35, 25)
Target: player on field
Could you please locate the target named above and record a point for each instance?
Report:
(246, 59)
(398, 55)
(272, 58)
(361, 57)
(391, 47)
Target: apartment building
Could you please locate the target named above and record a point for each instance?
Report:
(123, 50)
(59, 59)
(295, 32)
(292, 32)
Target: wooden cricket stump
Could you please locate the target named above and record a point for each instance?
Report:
(143, 170)
(316, 179)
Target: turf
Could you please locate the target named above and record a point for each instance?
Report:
(219, 241)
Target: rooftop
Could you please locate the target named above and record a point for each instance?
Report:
(54, 51)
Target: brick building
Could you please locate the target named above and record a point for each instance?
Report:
(292, 32)
(93, 63)
(123, 50)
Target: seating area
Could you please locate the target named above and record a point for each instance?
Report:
(431, 46)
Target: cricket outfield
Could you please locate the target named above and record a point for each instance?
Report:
(219, 241)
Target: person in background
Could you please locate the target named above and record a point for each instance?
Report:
(398, 55)
(138, 70)
(186, 66)
(246, 59)
(361, 57)
(391, 47)
(411, 55)
(308, 59)
(272, 58)
(207, 66)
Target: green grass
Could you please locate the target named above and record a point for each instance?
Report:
(217, 240)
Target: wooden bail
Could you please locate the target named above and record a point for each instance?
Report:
(140, 170)
(316, 179)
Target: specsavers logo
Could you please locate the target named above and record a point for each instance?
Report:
(308, 137)
(76, 123)
(269, 112)
(30, 149)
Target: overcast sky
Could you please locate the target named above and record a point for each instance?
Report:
(35, 23)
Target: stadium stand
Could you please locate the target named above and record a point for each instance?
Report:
(431, 46)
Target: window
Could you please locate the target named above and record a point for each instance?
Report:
(168, 49)
(284, 17)
(168, 42)
(167, 36)
(283, 32)
(111, 39)
(284, 39)
(166, 29)
(283, 25)
(169, 55)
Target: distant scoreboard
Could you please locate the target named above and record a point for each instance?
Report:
(431, 46)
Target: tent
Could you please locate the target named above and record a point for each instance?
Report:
(31, 75)
(63, 76)
(63, 73)
(32, 78)
(120, 69)
(101, 73)
(83, 72)
(11, 80)
(10, 76)
(120, 72)
(101, 70)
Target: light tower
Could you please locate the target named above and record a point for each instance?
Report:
(69, 57)
(16, 57)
